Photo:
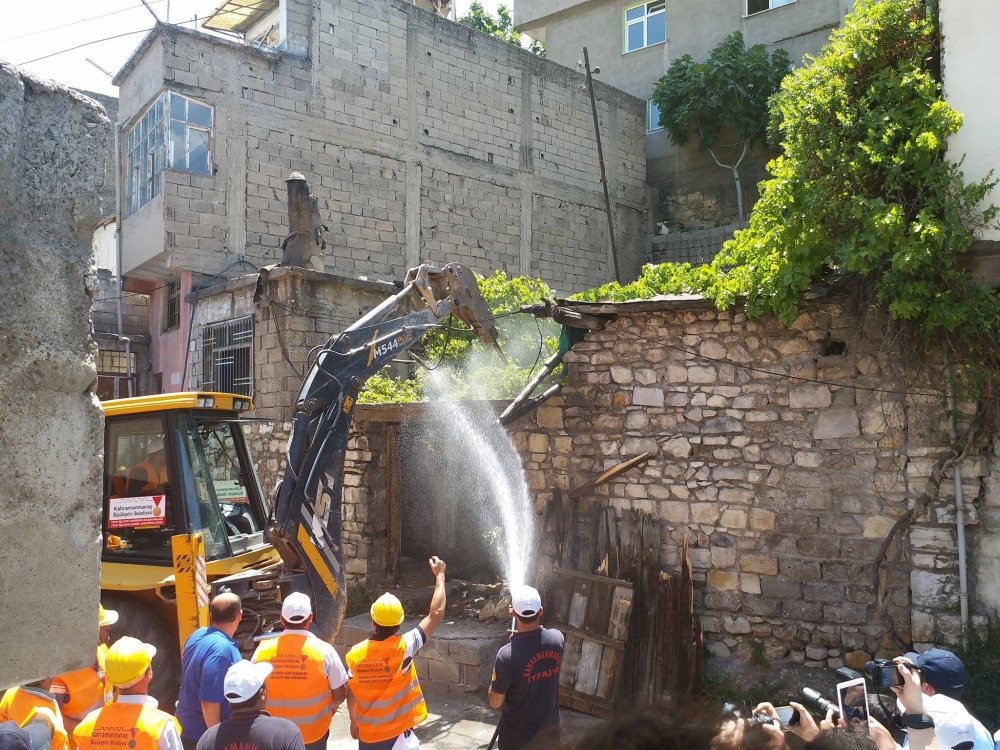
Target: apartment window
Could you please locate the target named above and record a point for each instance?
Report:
(190, 134)
(227, 356)
(759, 6)
(110, 362)
(646, 25)
(172, 306)
(652, 117)
(173, 133)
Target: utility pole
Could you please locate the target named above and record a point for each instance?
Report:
(604, 171)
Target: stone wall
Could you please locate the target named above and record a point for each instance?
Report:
(422, 140)
(51, 430)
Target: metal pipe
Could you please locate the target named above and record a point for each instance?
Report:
(604, 171)
(551, 364)
(118, 256)
(963, 577)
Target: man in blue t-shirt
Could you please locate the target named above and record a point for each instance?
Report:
(526, 676)
(208, 654)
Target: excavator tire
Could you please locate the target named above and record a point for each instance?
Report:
(137, 620)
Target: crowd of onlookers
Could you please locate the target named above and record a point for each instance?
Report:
(286, 695)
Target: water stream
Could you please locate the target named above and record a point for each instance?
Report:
(503, 498)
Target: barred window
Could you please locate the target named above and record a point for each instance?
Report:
(172, 306)
(227, 356)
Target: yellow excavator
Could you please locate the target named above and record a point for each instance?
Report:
(179, 464)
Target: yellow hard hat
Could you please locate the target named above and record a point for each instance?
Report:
(106, 616)
(127, 661)
(387, 611)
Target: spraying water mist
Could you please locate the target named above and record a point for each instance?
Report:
(495, 482)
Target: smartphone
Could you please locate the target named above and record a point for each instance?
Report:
(787, 716)
(853, 699)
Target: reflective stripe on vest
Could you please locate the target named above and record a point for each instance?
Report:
(298, 689)
(22, 705)
(123, 726)
(389, 698)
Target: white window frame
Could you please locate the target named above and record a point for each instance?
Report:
(153, 151)
(627, 24)
(650, 127)
(771, 5)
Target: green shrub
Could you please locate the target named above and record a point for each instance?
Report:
(981, 655)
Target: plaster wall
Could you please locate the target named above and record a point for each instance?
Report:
(52, 425)
(969, 69)
(169, 348)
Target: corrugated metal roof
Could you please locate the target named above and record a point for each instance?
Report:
(239, 15)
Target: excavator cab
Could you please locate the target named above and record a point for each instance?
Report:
(179, 464)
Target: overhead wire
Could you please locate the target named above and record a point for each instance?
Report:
(75, 23)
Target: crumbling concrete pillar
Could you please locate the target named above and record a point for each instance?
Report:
(52, 150)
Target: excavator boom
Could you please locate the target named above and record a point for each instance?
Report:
(306, 522)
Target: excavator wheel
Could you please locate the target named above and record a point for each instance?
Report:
(137, 620)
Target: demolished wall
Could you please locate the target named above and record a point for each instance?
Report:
(52, 150)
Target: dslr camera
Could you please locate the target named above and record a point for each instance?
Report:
(883, 674)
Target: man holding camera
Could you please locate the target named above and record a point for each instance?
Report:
(941, 678)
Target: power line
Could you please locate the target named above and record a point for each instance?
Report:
(98, 41)
(75, 23)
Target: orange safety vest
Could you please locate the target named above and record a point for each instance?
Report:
(23, 705)
(123, 726)
(297, 689)
(84, 690)
(389, 698)
(147, 476)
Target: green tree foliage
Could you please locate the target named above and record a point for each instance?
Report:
(722, 100)
(980, 653)
(468, 368)
(501, 26)
(863, 194)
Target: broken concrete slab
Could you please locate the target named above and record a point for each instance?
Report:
(52, 150)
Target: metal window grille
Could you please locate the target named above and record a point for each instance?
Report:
(227, 356)
(172, 306)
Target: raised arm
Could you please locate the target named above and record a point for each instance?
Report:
(438, 601)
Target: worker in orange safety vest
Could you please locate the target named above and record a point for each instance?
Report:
(308, 682)
(85, 690)
(35, 703)
(133, 721)
(384, 695)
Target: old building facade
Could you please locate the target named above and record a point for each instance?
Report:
(422, 140)
(634, 44)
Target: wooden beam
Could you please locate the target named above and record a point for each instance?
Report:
(610, 474)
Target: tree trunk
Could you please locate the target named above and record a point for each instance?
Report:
(735, 169)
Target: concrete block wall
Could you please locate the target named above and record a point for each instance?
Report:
(52, 426)
(421, 140)
(696, 247)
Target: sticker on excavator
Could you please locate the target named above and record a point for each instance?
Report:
(230, 491)
(137, 512)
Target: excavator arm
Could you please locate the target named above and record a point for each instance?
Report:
(306, 523)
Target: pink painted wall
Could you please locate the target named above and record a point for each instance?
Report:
(167, 349)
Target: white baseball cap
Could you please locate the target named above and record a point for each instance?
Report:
(296, 608)
(525, 601)
(244, 679)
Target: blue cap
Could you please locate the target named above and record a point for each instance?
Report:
(943, 671)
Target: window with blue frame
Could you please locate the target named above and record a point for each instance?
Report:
(645, 25)
(652, 117)
(175, 132)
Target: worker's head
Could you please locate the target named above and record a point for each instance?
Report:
(225, 612)
(129, 665)
(105, 619)
(387, 616)
(296, 611)
(526, 606)
(245, 685)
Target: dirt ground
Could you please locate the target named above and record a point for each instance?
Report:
(455, 724)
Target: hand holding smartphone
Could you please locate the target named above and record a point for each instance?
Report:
(852, 696)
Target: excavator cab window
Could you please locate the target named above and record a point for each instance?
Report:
(234, 482)
(139, 516)
(199, 499)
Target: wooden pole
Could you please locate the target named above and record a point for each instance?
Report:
(604, 171)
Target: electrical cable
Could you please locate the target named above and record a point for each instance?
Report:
(75, 23)
(98, 41)
(444, 351)
(281, 343)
